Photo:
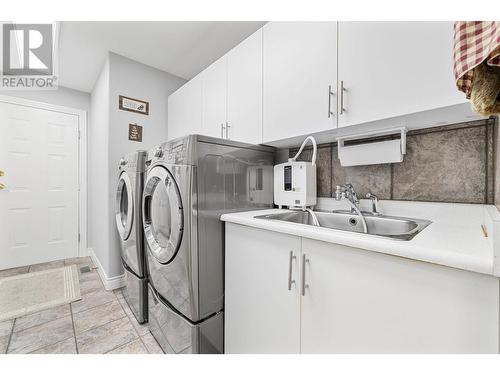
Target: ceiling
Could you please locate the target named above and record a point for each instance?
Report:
(180, 48)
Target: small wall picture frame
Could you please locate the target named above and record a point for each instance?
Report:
(134, 132)
(133, 105)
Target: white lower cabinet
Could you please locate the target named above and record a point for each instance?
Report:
(261, 314)
(347, 300)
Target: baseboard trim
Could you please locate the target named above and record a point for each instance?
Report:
(110, 283)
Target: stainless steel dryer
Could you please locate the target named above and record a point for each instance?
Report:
(129, 224)
(190, 183)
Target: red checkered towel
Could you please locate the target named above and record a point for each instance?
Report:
(475, 41)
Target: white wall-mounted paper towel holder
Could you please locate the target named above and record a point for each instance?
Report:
(376, 152)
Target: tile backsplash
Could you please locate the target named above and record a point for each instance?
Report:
(452, 163)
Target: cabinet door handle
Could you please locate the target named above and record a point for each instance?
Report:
(227, 129)
(222, 129)
(290, 266)
(342, 89)
(304, 285)
(330, 94)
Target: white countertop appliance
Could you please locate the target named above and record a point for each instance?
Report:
(295, 181)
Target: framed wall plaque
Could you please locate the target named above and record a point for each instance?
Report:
(133, 105)
(134, 132)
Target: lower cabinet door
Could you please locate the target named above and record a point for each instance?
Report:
(360, 301)
(262, 314)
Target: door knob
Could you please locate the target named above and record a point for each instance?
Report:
(2, 186)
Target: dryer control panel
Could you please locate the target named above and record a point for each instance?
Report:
(173, 152)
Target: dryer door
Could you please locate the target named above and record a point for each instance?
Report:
(124, 207)
(163, 217)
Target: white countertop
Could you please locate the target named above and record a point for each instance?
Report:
(454, 238)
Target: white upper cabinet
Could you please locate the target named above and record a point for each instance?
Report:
(214, 98)
(229, 93)
(184, 109)
(300, 67)
(244, 90)
(394, 68)
(283, 81)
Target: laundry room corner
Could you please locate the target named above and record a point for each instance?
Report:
(120, 78)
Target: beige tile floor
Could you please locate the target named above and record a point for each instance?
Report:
(101, 322)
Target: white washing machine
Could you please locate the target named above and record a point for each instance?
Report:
(129, 223)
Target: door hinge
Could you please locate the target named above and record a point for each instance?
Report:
(78, 237)
(78, 133)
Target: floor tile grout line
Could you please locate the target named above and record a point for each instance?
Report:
(138, 333)
(131, 322)
(10, 336)
(143, 343)
(78, 312)
(119, 346)
(100, 325)
(128, 342)
(18, 332)
(129, 319)
(74, 331)
(54, 343)
(135, 329)
(39, 324)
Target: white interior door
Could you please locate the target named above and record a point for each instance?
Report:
(39, 201)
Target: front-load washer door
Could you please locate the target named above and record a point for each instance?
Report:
(124, 208)
(163, 218)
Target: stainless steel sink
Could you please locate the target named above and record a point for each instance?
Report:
(399, 228)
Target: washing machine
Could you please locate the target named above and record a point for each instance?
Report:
(129, 224)
(190, 182)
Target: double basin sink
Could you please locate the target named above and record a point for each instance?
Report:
(398, 228)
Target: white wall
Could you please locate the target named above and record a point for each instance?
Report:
(130, 78)
(62, 96)
(133, 79)
(98, 165)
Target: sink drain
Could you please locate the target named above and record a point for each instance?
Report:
(353, 221)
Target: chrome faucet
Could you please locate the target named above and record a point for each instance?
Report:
(347, 192)
(374, 199)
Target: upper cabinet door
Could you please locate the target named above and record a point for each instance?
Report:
(184, 110)
(244, 90)
(394, 68)
(300, 66)
(215, 98)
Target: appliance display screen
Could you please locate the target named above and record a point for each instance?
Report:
(288, 178)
